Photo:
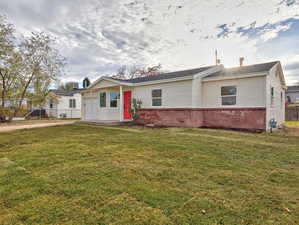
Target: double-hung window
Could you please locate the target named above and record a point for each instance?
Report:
(157, 97)
(229, 95)
(114, 98)
(72, 103)
(102, 99)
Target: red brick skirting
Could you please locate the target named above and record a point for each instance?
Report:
(232, 118)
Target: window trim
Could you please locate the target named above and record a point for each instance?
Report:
(225, 96)
(153, 98)
(72, 103)
(117, 99)
(103, 92)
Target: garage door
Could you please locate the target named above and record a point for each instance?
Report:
(90, 109)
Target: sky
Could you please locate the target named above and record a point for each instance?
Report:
(98, 36)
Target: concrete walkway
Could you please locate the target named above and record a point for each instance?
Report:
(30, 126)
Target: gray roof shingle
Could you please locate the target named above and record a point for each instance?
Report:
(163, 76)
(255, 68)
(263, 67)
(67, 92)
(293, 88)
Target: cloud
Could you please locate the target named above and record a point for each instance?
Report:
(98, 36)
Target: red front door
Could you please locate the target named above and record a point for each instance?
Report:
(127, 105)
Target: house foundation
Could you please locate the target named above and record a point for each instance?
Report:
(253, 119)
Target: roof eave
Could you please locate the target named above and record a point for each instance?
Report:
(247, 75)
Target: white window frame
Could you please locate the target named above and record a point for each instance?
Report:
(272, 94)
(117, 99)
(152, 98)
(225, 96)
(71, 103)
(103, 92)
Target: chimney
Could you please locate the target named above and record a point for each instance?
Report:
(241, 61)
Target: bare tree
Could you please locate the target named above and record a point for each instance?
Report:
(42, 64)
(28, 69)
(134, 71)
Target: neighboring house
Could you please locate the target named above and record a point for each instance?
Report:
(292, 95)
(245, 97)
(14, 103)
(67, 104)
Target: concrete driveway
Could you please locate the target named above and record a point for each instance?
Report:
(9, 128)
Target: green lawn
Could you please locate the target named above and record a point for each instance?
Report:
(79, 174)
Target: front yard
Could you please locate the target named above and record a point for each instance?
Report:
(79, 174)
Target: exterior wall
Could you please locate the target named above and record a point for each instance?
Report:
(105, 84)
(275, 106)
(91, 109)
(107, 113)
(232, 118)
(175, 94)
(250, 92)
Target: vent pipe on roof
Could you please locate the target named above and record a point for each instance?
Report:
(241, 61)
(217, 60)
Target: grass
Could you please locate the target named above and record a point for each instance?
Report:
(79, 174)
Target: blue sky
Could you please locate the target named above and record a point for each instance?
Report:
(97, 36)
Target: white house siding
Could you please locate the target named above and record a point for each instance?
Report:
(95, 112)
(104, 84)
(196, 93)
(275, 106)
(63, 107)
(174, 94)
(250, 92)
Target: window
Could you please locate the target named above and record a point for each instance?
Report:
(281, 97)
(289, 99)
(103, 99)
(157, 97)
(272, 95)
(72, 103)
(51, 104)
(272, 92)
(114, 97)
(229, 95)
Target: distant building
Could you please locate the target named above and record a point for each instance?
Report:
(292, 94)
(72, 85)
(68, 104)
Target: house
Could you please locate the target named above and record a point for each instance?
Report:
(292, 95)
(65, 104)
(15, 102)
(245, 97)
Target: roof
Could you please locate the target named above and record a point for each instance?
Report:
(293, 88)
(255, 68)
(163, 76)
(67, 92)
(207, 72)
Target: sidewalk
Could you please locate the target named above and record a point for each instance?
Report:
(9, 128)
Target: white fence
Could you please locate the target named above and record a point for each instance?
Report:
(64, 113)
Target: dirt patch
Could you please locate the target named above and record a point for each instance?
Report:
(5, 162)
(293, 131)
(30, 126)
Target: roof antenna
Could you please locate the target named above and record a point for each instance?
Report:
(217, 61)
(241, 61)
